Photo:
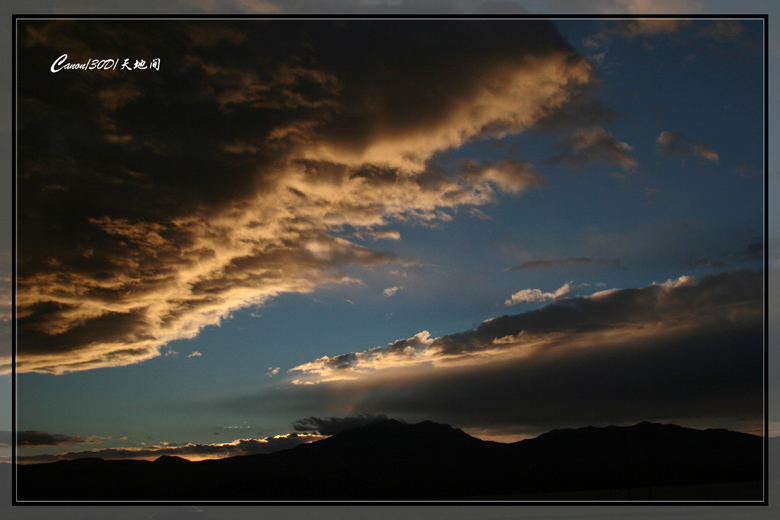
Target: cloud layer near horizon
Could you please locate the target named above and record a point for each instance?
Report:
(26, 439)
(306, 430)
(154, 203)
(193, 452)
(683, 349)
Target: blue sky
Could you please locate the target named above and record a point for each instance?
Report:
(627, 159)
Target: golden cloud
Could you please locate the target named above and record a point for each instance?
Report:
(232, 187)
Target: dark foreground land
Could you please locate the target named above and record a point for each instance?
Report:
(392, 461)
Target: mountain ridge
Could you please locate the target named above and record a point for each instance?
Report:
(395, 461)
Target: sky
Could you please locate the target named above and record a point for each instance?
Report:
(295, 227)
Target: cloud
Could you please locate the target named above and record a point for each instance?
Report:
(402, 352)
(334, 425)
(474, 212)
(210, 34)
(387, 234)
(641, 7)
(594, 145)
(649, 29)
(584, 109)
(703, 262)
(6, 438)
(630, 29)
(5, 298)
(653, 27)
(510, 176)
(195, 353)
(193, 452)
(669, 144)
(391, 291)
(153, 205)
(535, 264)
(6, 313)
(234, 428)
(753, 252)
(620, 312)
(725, 29)
(743, 170)
(272, 371)
(27, 439)
(536, 295)
(686, 349)
(118, 96)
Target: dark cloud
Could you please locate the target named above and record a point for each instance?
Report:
(753, 252)
(534, 264)
(594, 145)
(187, 451)
(6, 438)
(703, 262)
(670, 144)
(687, 349)
(152, 203)
(27, 439)
(334, 425)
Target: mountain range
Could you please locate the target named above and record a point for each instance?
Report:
(392, 461)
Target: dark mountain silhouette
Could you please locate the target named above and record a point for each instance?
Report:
(394, 461)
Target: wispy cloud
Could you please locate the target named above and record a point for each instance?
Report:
(654, 29)
(669, 144)
(510, 176)
(535, 264)
(594, 145)
(222, 428)
(703, 262)
(233, 187)
(386, 234)
(743, 170)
